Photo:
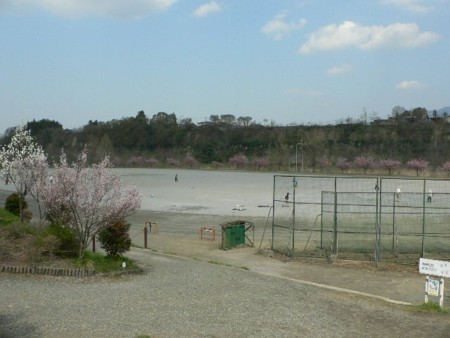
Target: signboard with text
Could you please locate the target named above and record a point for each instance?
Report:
(434, 267)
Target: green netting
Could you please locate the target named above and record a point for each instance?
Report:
(361, 217)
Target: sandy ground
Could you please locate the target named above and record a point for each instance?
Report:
(179, 234)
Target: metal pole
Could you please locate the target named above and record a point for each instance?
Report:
(335, 217)
(294, 184)
(377, 226)
(393, 221)
(273, 211)
(296, 157)
(321, 222)
(302, 158)
(423, 219)
(145, 236)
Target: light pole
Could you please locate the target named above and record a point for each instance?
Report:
(296, 156)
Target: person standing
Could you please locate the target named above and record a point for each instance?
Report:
(398, 193)
(286, 198)
(176, 177)
(429, 195)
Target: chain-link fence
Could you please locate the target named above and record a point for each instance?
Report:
(363, 218)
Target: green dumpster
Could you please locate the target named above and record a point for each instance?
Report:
(233, 234)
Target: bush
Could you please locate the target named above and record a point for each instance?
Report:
(68, 243)
(12, 204)
(7, 218)
(115, 240)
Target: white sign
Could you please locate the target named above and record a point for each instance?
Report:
(434, 267)
(433, 287)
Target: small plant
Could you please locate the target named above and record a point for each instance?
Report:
(15, 203)
(115, 240)
(432, 307)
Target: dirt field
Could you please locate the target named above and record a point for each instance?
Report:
(179, 235)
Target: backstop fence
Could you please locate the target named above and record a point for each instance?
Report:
(363, 218)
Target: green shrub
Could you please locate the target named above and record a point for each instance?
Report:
(12, 203)
(7, 218)
(115, 240)
(69, 244)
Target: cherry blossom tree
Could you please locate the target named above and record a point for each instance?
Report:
(343, 164)
(364, 163)
(324, 163)
(418, 165)
(152, 162)
(239, 161)
(173, 162)
(390, 165)
(446, 167)
(23, 163)
(191, 161)
(136, 160)
(88, 198)
(261, 162)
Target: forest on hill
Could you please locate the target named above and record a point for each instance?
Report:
(230, 142)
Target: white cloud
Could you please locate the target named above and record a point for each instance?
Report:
(207, 9)
(350, 34)
(278, 28)
(413, 84)
(336, 70)
(415, 6)
(109, 8)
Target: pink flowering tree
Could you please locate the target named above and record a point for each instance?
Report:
(216, 164)
(24, 164)
(446, 167)
(364, 163)
(191, 161)
(239, 161)
(324, 164)
(418, 165)
(390, 165)
(261, 162)
(88, 198)
(172, 162)
(343, 164)
(151, 162)
(136, 160)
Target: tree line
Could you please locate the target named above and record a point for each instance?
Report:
(226, 141)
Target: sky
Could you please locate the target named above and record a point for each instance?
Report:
(277, 61)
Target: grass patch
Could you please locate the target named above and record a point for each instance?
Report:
(102, 263)
(432, 307)
(7, 218)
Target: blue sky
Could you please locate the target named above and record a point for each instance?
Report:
(287, 61)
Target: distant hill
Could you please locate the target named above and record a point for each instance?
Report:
(441, 111)
(444, 110)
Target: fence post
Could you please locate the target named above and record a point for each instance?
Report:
(145, 236)
(93, 243)
(423, 218)
(377, 223)
(335, 218)
(321, 220)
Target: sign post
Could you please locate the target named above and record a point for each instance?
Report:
(433, 286)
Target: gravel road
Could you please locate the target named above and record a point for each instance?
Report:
(180, 297)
